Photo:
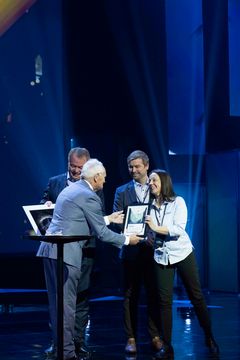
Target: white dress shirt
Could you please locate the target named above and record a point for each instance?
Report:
(177, 244)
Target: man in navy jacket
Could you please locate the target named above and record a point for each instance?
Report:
(137, 261)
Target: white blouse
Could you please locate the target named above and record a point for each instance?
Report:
(176, 246)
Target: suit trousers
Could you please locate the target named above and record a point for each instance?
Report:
(82, 305)
(71, 280)
(188, 271)
(138, 272)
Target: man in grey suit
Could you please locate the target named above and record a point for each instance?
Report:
(78, 211)
(77, 157)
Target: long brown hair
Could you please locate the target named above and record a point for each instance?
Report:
(167, 192)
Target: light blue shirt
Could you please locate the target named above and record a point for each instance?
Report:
(142, 192)
(177, 245)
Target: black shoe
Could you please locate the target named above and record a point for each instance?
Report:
(166, 352)
(212, 346)
(52, 356)
(82, 350)
(51, 349)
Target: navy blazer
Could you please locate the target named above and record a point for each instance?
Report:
(55, 185)
(125, 195)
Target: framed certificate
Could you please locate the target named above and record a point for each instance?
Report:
(135, 219)
(39, 217)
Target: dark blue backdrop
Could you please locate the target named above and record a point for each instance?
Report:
(116, 76)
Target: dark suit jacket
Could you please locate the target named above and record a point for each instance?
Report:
(55, 185)
(125, 195)
(78, 211)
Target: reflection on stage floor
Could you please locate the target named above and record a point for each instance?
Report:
(24, 331)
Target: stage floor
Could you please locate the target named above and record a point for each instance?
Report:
(24, 332)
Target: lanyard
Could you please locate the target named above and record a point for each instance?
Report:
(143, 201)
(160, 223)
(159, 240)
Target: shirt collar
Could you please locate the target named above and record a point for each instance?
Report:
(88, 184)
(69, 179)
(156, 206)
(140, 185)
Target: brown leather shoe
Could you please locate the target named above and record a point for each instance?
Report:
(130, 347)
(157, 343)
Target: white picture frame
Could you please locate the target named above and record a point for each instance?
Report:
(135, 219)
(39, 217)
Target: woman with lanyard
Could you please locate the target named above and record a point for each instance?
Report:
(174, 251)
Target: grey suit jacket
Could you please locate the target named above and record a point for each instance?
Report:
(78, 211)
(55, 185)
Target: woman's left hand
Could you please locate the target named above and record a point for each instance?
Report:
(150, 223)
